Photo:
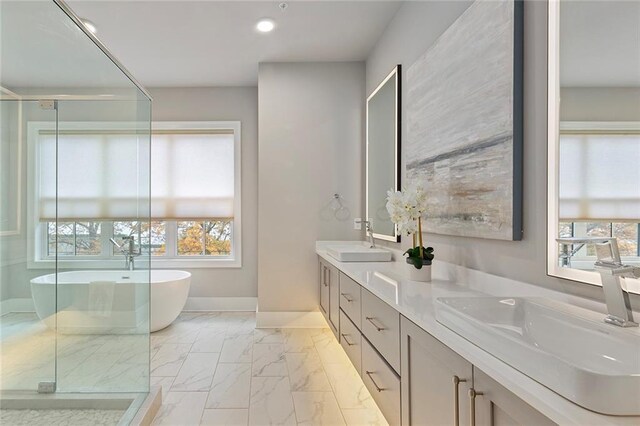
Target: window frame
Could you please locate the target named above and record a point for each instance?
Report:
(38, 257)
(555, 130)
(582, 261)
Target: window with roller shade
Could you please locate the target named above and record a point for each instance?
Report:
(599, 186)
(195, 190)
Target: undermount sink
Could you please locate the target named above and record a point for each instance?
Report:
(356, 253)
(565, 348)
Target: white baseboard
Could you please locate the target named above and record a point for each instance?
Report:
(290, 320)
(221, 304)
(17, 305)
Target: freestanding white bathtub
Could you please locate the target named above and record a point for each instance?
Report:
(109, 301)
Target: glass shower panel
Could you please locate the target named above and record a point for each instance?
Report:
(103, 151)
(27, 329)
(74, 159)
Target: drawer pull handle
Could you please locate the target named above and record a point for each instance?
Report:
(378, 388)
(456, 399)
(347, 298)
(472, 404)
(370, 319)
(344, 336)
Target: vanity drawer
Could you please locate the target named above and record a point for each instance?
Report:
(382, 382)
(351, 340)
(381, 325)
(350, 299)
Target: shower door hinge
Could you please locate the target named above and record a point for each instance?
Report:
(46, 387)
(48, 105)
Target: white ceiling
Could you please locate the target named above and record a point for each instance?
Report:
(214, 43)
(600, 43)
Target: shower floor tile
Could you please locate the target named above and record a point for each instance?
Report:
(60, 417)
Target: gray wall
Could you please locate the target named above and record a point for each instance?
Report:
(412, 32)
(600, 104)
(222, 104)
(170, 104)
(311, 144)
(14, 274)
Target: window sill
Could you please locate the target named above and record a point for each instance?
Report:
(139, 264)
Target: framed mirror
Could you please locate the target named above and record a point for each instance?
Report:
(383, 153)
(593, 136)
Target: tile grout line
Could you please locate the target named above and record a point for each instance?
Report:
(333, 389)
(250, 378)
(293, 404)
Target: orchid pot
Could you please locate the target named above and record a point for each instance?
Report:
(419, 261)
(407, 208)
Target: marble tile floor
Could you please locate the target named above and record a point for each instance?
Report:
(215, 369)
(218, 369)
(85, 362)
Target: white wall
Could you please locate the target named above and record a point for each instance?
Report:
(412, 31)
(311, 146)
(223, 104)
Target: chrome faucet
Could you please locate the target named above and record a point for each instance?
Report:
(572, 245)
(369, 228)
(128, 250)
(612, 270)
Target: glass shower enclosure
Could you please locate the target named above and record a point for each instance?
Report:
(74, 214)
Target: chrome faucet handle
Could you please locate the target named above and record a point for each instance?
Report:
(616, 297)
(115, 243)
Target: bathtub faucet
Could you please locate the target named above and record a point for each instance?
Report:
(128, 249)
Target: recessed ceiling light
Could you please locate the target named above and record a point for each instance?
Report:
(89, 25)
(265, 25)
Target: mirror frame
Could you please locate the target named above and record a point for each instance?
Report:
(553, 136)
(395, 74)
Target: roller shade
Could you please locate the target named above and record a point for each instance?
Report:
(599, 176)
(192, 175)
(103, 175)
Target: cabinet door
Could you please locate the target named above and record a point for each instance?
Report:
(435, 380)
(382, 382)
(381, 325)
(334, 297)
(324, 289)
(494, 404)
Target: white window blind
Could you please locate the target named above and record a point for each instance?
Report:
(100, 175)
(599, 176)
(192, 175)
(104, 175)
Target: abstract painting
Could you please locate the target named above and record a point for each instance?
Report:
(464, 124)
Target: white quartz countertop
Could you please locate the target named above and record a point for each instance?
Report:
(415, 301)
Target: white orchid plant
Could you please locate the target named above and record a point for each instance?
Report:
(407, 208)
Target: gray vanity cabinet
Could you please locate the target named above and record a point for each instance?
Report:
(381, 326)
(414, 378)
(324, 289)
(435, 380)
(382, 382)
(329, 295)
(495, 405)
(334, 299)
